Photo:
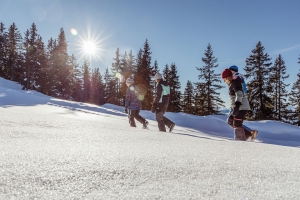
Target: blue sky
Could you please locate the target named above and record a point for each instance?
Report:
(178, 31)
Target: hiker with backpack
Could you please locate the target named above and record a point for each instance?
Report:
(239, 104)
(161, 103)
(249, 132)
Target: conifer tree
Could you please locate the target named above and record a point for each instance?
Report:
(117, 69)
(109, 88)
(30, 65)
(26, 60)
(143, 76)
(188, 98)
(76, 80)
(60, 68)
(126, 72)
(42, 72)
(14, 53)
(97, 87)
(175, 94)
(153, 83)
(257, 70)
(294, 99)
(200, 106)
(3, 50)
(50, 68)
(130, 62)
(86, 82)
(207, 89)
(279, 93)
(166, 73)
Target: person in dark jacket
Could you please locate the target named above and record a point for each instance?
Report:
(161, 103)
(239, 104)
(133, 104)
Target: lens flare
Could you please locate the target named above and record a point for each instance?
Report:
(141, 97)
(118, 75)
(73, 31)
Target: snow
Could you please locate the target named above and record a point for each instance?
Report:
(56, 149)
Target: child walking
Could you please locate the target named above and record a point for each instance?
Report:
(133, 104)
(239, 105)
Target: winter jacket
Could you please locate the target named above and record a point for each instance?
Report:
(244, 84)
(162, 95)
(132, 101)
(236, 93)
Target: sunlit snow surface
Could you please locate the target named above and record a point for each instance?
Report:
(54, 149)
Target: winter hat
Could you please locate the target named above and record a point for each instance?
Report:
(158, 76)
(234, 68)
(129, 81)
(226, 73)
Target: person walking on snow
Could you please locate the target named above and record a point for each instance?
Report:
(133, 104)
(161, 102)
(239, 105)
(249, 132)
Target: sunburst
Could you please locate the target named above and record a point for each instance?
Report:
(90, 46)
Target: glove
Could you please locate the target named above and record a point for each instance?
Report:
(154, 107)
(236, 108)
(125, 110)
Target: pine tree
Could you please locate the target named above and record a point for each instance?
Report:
(257, 70)
(130, 62)
(200, 107)
(97, 88)
(30, 67)
(143, 76)
(14, 53)
(126, 72)
(117, 69)
(294, 99)
(86, 82)
(3, 50)
(60, 66)
(52, 76)
(175, 94)
(207, 90)
(26, 68)
(166, 73)
(109, 88)
(76, 80)
(42, 73)
(188, 98)
(66, 69)
(279, 93)
(153, 83)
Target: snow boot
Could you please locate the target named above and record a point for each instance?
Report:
(171, 127)
(254, 133)
(145, 125)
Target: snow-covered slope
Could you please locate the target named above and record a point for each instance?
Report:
(272, 132)
(55, 149)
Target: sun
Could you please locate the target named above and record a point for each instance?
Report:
(89, 47)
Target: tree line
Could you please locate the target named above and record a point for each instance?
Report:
(50, 70)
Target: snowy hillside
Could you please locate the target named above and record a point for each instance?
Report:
(55, 149)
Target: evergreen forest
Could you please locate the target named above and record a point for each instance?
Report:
(48, 68)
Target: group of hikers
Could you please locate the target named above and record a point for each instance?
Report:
(237, 93)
